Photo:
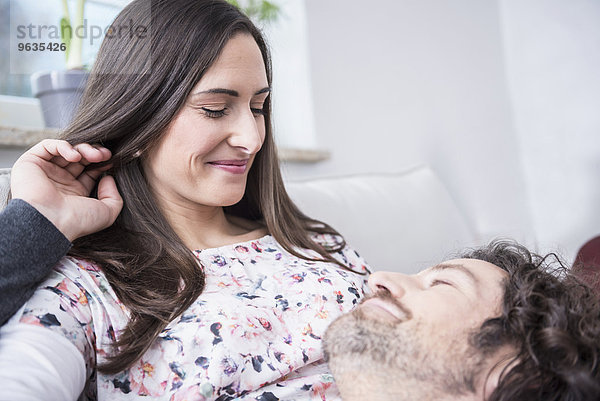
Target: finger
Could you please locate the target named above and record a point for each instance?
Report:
(75, 169)
(58, 151)
(105, 167)
(51, 148)
(68, 151)
(93, 154)
(110, 196)
(60, 161)
(51, 175)
(88, 179)
(58, 174)
(105, 151)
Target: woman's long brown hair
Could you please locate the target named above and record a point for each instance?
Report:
(136, 87)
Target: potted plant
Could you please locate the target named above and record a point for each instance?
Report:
(60, 91)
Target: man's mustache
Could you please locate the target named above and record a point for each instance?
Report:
(385, 296)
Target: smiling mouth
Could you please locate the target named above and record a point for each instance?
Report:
(386, 309)
(230, 166)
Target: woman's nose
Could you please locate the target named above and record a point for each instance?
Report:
(248, 134)
(395, 283)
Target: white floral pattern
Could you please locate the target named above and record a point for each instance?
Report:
(254, 334)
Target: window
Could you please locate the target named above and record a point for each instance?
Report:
(34, 21)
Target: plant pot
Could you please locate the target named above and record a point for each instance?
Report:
(59, 93)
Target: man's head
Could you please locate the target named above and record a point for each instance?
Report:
(497, 324)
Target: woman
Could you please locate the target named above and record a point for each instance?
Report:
(135, 311)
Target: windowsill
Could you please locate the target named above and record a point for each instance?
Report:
(23, 137)
(298, 155)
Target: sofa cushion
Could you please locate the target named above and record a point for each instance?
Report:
(401, 222)
(4, 186)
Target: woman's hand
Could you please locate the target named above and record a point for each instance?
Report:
(52, 177)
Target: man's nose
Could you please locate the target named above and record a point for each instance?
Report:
(246, 133)
(395, 283)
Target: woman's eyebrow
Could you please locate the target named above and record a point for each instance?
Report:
(230, 92)
(263, 90)
(456, 267)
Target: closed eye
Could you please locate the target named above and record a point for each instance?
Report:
(439, 282)
(259, 111)
(211, 113)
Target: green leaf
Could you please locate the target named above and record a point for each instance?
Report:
(261, 10)
(65, 34)
(252, 9)
(268, 11)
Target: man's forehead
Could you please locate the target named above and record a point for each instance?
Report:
(479, 269)
(481, 278)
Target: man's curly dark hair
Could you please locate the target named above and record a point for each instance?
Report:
(551, 319)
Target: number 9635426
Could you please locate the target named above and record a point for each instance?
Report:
(42, 47)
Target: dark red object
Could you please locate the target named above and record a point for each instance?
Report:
(587, 263)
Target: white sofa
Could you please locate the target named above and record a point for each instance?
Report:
(401, 222)
(4, 186)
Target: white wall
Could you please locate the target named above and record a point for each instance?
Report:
(292, 93)
(553, 63)
(402, 82)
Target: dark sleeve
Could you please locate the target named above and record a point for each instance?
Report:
(30, 245)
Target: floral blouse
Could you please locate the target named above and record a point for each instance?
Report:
(253, 334)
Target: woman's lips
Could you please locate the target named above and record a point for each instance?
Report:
(231, 166)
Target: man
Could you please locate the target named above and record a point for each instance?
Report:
(50, 185)
(497, 324)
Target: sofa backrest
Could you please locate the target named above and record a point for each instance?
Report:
(4, 186)
(400, 222)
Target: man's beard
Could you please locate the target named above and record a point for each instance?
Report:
(407, 358)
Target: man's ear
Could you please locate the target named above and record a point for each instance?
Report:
(505, 362)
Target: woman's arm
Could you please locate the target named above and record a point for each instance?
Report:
(29, 246)
(39, 364)
(50, 185)
(48, 348)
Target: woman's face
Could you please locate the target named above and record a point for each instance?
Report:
(208, 149)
